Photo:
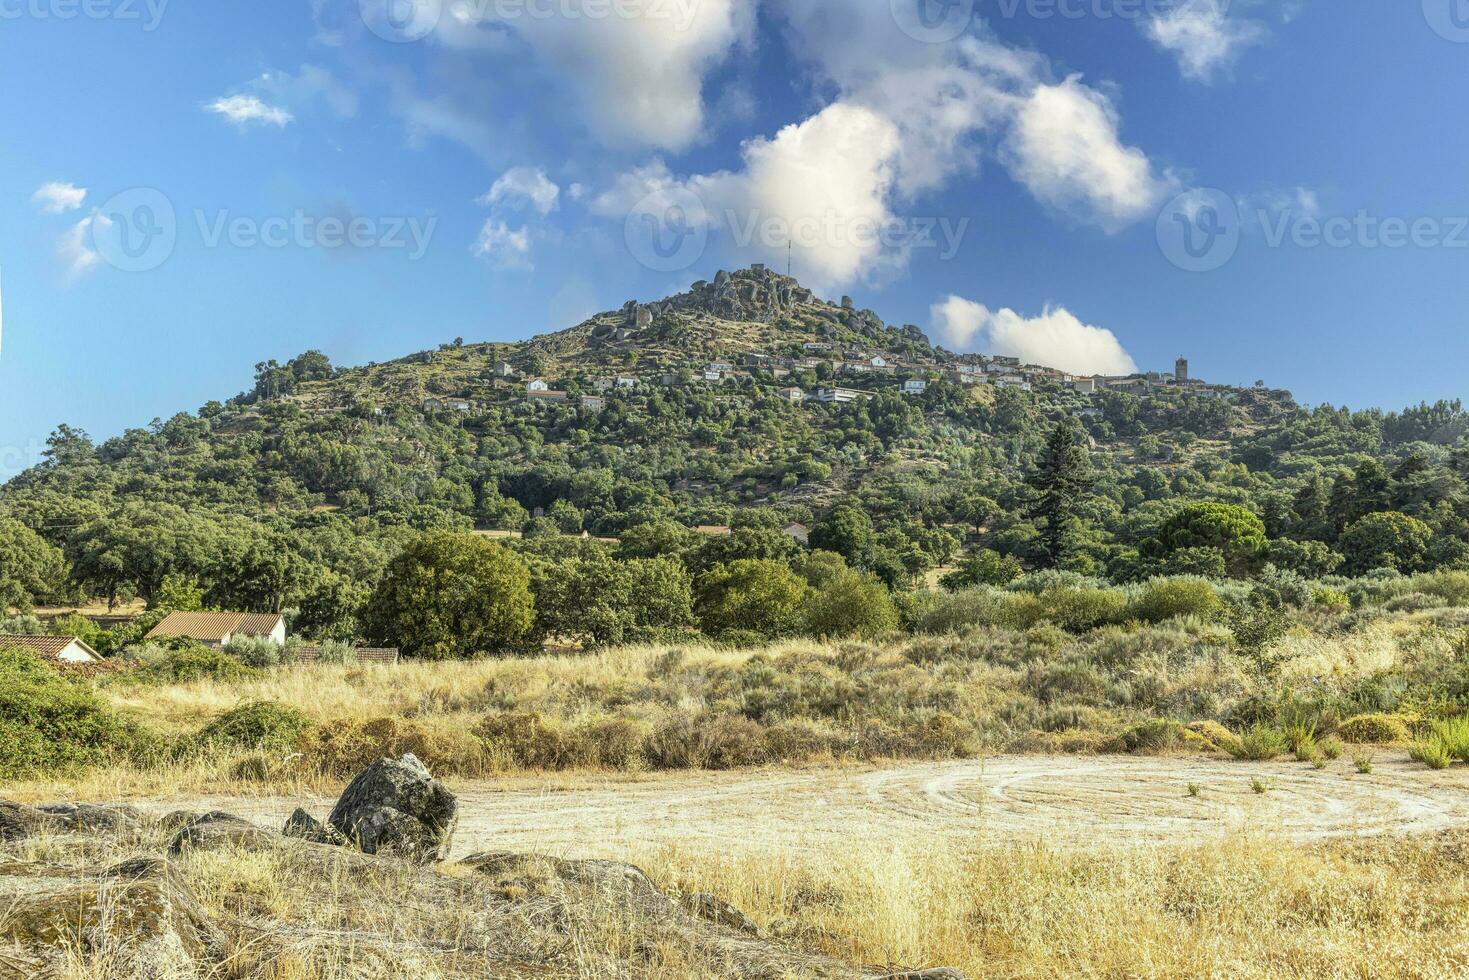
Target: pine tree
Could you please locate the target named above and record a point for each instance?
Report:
(1063, 476)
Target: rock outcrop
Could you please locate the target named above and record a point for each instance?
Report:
(395, 806)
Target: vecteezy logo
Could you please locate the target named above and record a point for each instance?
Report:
(401, 21)
(933, 21)
(135, 231)
(668, 230)
(1449, 18)
(1199, 230)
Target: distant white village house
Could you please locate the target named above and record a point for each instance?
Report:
(217, 629)
(66, 649)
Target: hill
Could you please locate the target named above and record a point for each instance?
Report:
(746, 402)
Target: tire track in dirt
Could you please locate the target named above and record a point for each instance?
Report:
(1059, 799)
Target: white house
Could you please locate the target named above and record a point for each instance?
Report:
(627, 382)
(67, 649)
(798, 532)
(839, 396)
(539, 384)
(914, 387)
(217, 629)
(793, 395)
(544, 397)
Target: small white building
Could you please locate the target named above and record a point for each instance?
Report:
(539, 384)
(544, 397)
(914, 387)
(793, 395)
(627, 382)
(839, 396)
(593, 402)
(218, 629)
(66, 649)
(798, 532)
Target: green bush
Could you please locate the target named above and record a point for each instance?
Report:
(191, 664)
(1163, 599)
(1430, 751)
(50, 724)
(263, 725)
(1260, 744)
(1375, 729)
(1078, 610)
(1453, 735)
(255, 651)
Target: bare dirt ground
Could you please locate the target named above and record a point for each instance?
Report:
(999, 801)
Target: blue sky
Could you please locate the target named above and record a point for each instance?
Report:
(178, 181)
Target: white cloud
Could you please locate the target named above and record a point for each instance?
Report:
(1065, 148)
(1203, 36)
(524, 184)
(75, 248)
(637, 76)
(310, 84)
(907, 119)
(242, 110)
(1054, 339)
(503, 246)
(59, 197)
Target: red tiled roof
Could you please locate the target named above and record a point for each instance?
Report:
(213, 627)
(50, 647)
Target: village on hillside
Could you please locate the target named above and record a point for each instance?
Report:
(847, 371)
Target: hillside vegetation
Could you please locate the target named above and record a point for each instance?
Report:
(311, 493)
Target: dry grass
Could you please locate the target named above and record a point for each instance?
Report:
(1250, 907)
(1245, 907)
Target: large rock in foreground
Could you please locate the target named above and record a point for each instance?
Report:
(395, 806)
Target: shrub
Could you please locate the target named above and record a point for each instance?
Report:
(1082, 609)
(50, 724)
(192, 663)
(1375, 729)
(1430, 751)
(1453, 735)
(617, 742)
(530, 741)
(1152, 735)
(344, 748)
(851, 604)
(255, 651)
(263, 725)
(701, 742)
(979, 607)
(1163, 599)
(1260, 744)
(337, 652)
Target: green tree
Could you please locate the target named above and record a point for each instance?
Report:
(1062, 479)
(1233, 531)
(984, 567)
(452, 595)
(851, 604)
(751, 595)
(846, 530)
(30, 568)
(1385, 540)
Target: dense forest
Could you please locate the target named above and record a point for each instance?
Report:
(315, 491)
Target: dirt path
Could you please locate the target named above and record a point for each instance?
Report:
(963, 804)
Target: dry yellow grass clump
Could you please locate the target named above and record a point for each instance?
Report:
(1246, 907)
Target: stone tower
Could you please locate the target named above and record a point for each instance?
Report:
(1180, 370)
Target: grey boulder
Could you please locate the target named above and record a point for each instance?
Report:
(395, 806)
